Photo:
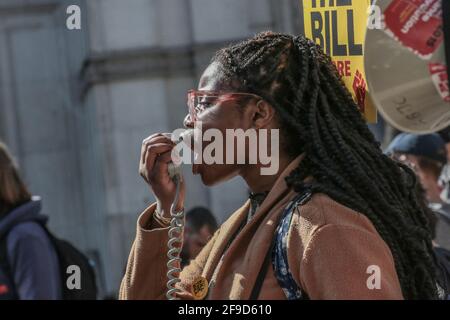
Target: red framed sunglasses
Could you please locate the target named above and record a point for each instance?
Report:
(200, 100)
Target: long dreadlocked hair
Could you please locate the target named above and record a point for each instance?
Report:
(319, 117)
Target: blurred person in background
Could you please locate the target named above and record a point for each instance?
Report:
(199, 229)
(444, 179)
(442, 254)
(29, 267)
(427, 156)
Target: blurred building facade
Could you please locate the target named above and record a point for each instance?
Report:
(76, 104)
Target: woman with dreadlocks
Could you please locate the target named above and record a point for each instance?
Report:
(339, 220)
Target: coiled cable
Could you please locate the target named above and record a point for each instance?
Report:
(174, 244)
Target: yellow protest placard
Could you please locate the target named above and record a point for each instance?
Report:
(339, 27)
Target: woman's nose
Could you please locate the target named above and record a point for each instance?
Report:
(188, 122)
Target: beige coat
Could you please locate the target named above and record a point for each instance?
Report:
(330, 248)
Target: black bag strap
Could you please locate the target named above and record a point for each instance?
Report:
(4, 263)
(262, 274)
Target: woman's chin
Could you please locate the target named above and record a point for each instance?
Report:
(207, 174)
(208, 180)
(213, 175)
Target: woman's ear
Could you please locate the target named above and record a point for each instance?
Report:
(263, 115)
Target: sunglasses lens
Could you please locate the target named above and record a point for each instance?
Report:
(198, 102)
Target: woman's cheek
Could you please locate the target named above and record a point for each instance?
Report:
(220, 117)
